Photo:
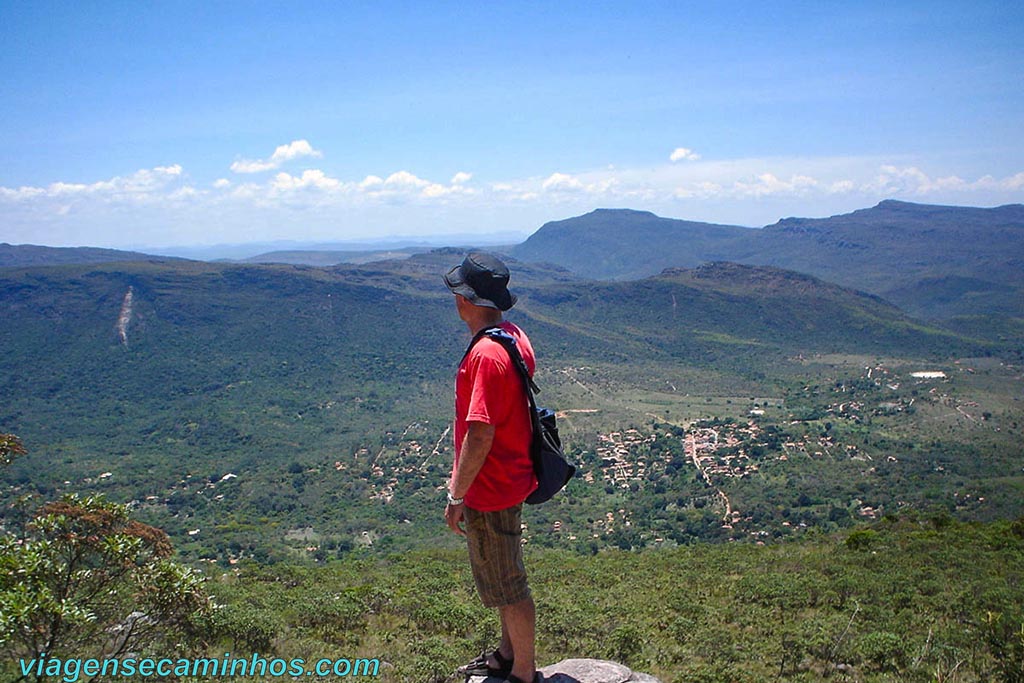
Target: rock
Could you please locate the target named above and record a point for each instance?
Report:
(582, 671)
(643, 678)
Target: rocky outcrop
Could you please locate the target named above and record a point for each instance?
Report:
(582, 671)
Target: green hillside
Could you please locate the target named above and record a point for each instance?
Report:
(720, 313)
(908, 598)
(257, 411)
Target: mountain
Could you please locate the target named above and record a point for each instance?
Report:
(933, 261)
(927, 259)
(626, 244)
(17, 255)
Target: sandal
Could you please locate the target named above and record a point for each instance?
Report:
(479, 666)
(537, 678)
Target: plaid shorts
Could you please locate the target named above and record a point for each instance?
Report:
(496, 555)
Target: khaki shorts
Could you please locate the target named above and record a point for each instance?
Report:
(496, 556)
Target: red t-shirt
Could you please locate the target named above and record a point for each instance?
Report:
(488, 389)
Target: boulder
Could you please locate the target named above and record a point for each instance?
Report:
(582, 671)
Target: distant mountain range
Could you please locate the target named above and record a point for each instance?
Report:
(331, 257)
(933, 261)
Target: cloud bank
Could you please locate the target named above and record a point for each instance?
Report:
(164, 205)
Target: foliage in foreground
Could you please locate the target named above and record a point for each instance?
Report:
(904, 600)
(83, 580)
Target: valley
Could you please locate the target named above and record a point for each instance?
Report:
(265, 412)
(796, 471)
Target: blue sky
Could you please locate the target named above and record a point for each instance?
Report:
(130, 124)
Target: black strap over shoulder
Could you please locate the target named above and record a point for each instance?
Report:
(509, 342)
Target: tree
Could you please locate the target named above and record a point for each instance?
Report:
(85, 580)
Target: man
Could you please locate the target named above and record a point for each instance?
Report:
(493, 473)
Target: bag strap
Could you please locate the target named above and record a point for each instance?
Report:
(509, 343)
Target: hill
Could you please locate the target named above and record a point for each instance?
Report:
(255, 411)
(930, 260)
(22, 255)
(933, 261)
(739, 309)
(626, 244)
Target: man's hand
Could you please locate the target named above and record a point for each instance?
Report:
(454, 515)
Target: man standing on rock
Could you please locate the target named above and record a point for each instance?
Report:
(493, 473)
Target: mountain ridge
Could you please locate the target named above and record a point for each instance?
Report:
(950, 263)
(24, 255)
(933, 261)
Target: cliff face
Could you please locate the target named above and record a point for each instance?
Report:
(583, 671)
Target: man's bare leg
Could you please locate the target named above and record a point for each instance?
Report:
(518, 629)
(505, 647)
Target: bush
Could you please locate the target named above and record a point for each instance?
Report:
(86, 580)
(862, 539)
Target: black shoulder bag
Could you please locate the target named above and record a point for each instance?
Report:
(549, 463)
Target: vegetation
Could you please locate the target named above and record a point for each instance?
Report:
(269, 413)
(909, 599)
(906, 598)
(83, 580)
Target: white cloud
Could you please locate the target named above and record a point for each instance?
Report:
(434, 190)
(912, 181)
(767, 184)
(371, 182)
(737, 190)
(1013, 183)
(561, 182)
(140, 185)
(310, 179)
(402, 185)
(187, 192)
(698, 190)
(842, 187)
(21, 193)
(405, 180)
(293, 150)
(683, 154)
(174, 170)
(247, 166)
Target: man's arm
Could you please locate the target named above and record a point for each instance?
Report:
(475, 447)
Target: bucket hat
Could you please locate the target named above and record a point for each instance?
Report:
(483, 279)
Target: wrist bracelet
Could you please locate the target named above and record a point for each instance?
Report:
(454, 501)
